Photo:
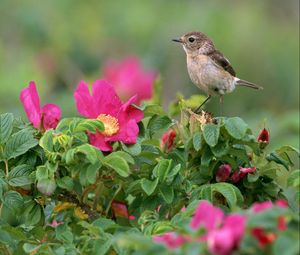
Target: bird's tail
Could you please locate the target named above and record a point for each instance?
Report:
(248, 84)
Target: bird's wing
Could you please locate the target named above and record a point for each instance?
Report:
(220, 60)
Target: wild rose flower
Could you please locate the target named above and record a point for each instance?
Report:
(223, 234)
(129, 79)
(171, 239)
(119, 119)
(223, 173)
(55, 223)
(167, 139)
(260, 234)
(41, 118)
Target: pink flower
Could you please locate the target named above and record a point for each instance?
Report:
(42, 118)
(223, 234)
(223, 173)
(129, 79)
(119, 119)
(207, 216)
(167, 140)
(171, 239)
(259, 207)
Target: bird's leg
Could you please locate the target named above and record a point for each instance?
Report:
(199, 107)
(221, 104)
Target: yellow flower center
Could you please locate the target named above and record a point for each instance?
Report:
(111, 124)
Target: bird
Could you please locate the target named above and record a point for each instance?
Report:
(208, 68)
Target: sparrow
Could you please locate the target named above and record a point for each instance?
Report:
(208, 68)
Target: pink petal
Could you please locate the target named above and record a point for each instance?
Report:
(236, 223)
(128, 132)
(131, 111)
(248, 170)
(84, 101)
(105, 98)
(171, 239)
(220, 242)
(31, 103)
(208, 216)
(129, 79)
(282, 203)
(98, 140)
(51, 114)
(258, 207)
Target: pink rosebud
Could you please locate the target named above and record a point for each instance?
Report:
(241, 173)
(119, 119)
(42, 118)
(167, 139)
(236, 176)
(55, 223)
(264, 136)
(223, 173)
(281, 203)
(119, 209)
(129, 79)
(247, 170)
(131, 217)
(170, 239)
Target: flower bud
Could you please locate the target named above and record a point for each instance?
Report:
(223, 173)
(263, 138)
(167, 140)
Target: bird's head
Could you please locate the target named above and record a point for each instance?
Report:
(195, 42)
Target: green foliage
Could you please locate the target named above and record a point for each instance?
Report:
(57, 188)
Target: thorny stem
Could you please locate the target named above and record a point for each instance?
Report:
(112, 199)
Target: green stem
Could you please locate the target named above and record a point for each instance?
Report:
(6, 168)
(98, 192)
(112, 199)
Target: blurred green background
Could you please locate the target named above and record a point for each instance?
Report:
(58, 42)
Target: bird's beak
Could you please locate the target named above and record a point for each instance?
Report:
(177, 40)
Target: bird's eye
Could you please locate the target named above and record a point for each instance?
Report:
(191, 39)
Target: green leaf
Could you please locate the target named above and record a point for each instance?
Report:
(273, 156)
(92, 171)
(294, 179)
(197, 141)
(89, 151)
(167, 193)
(211, 134)
(46, 141)
(133, 149)
(101, 246)
(124, 155)
(206, 193)
(65, 182)
(236, 127)
(159, 123)
(19, 143)
(287, 243)
(6, 126)
(13, 200)
(118, 164)
(227, 191)
(46, 186)
(91, 125)
(161, 170)
(221, 149)
(153, 109)
(149, 186)
(30, 248)
(32, 213)
(19, 176)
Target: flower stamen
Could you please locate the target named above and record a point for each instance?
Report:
(111, 124)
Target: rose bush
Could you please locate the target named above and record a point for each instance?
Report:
(129, 179)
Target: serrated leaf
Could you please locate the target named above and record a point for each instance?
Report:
(90, 152)
(206, 193)
(124, 155)
(227, 191)
(91, 125)
(161, 170)
(65, 182)
(13, 200)
(221, 149)
(149, 186)
(133, 149)
(159, 123)
(294, 179)
(46, 186)
(6, 126)
(46, 141)
(118, 164)
(19, 176)
(273, 156)
(167, 193)
(19, 143)
(236, 127)
(197, 141)
(211, 134)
